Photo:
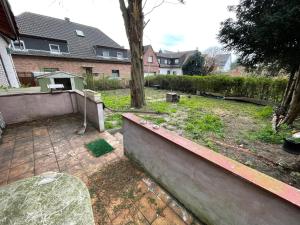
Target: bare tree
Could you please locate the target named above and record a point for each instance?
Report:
(210, 59)
(133, 15)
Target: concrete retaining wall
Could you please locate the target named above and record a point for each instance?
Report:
(26, 107)
(95, 112)
(216, 189)
(23, 107)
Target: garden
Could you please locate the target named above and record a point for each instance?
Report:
(238, 130)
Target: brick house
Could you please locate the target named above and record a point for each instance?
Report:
(151, 65)
(48, 44)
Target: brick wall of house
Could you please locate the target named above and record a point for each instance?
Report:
(150, 67)
(25, 65)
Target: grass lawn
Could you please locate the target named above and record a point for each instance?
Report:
(241, 131)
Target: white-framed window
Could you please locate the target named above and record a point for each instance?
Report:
(18, 45)
(176, 61)
(120, 55)
(54, 48)
(150, 59)
(105, 54)
(166, 61)
(79, 33)
(115, 73)
(158, 61)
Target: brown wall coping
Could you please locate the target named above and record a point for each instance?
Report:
(49, 93)
(260, 180)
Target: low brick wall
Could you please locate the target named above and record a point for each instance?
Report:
(24, 107)
(216, 189)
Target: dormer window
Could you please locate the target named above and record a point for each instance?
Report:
(18, 45)
(79, 33)
(54, 48)
(120, 55)
(176, 61)
(105, 54)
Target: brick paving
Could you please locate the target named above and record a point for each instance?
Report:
(36, 147)
(32, 148)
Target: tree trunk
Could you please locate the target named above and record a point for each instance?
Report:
(288, 94)
(294, 108)
(134, 25)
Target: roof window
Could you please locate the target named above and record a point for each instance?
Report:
(79, 33)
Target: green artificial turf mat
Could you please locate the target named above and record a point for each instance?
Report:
(99, 147)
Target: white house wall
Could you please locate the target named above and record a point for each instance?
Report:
(164, 71)
(8, 67)
(227, 65)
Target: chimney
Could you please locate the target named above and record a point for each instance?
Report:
(67, 19)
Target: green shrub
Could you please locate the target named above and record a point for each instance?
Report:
(268, 135)
(265, 112)
(104, 83)
(270, 89)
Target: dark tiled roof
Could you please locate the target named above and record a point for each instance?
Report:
(48, 27)
(146, 47)
(221, 59)
(174, 55)
(182, 56)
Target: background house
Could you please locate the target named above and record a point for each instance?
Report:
(151, 65)
(172, 62)
(8, 32)
(223, 63)
(48, 44)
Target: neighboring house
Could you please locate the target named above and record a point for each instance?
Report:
(172, 62)
(70, 81)
(48, 44)
(151, 65)
(223, 63)
(8, 32)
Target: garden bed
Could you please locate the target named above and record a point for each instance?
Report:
(241, 131)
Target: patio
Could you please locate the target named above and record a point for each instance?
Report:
(32, 148)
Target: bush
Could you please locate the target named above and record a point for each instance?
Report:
(268, 135)
(269, 89)
(104, 83)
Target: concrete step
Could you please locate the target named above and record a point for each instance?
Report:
(119, 137)
(114, 142)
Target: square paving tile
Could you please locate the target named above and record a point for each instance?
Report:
(150, 206)
(51, 144)
(4, 165)
(4, 177)
(48, 159)
(39, 169)
(18, 160)
(168, 217)
(19, 170)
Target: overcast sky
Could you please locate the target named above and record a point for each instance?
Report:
(172, 26)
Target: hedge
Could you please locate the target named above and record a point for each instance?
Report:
(105, 83)
(269, 89)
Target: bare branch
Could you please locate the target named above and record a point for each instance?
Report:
(145, 24)
(125, 14)
(144, 4)
(162, 2)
